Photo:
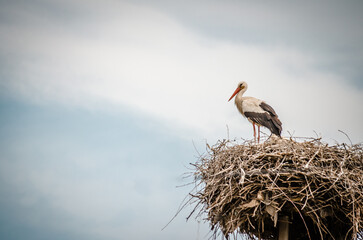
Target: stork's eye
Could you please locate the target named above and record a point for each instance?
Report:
(240, 86)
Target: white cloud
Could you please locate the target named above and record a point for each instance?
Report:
(141, 58)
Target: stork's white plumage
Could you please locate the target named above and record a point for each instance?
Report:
(256, 111)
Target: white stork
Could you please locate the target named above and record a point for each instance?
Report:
(256, 111)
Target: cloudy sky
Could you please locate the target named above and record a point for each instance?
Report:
(103, 104)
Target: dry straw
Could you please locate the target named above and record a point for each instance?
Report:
(247, 188)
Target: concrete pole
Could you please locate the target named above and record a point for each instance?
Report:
(284, 228)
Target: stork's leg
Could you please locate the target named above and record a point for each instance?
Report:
(254, 131)
(258, 126)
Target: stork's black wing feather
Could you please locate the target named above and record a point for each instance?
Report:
(268, 108)
(268, 119)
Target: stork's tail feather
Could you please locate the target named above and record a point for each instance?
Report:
(276, 127)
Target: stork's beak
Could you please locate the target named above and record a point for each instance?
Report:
(235, 92)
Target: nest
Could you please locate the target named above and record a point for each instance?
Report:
(247, 189)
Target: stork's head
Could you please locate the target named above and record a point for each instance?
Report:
(242, 86)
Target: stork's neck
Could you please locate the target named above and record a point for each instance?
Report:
(239, 97)
(238, 100)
